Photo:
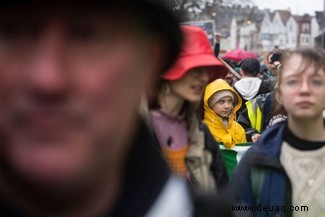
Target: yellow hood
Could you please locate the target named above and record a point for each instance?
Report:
(228, 135)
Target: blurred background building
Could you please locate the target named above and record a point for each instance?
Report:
(247, 27)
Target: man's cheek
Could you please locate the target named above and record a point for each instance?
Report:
(7, 97)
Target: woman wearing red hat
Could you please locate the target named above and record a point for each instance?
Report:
(185, 141)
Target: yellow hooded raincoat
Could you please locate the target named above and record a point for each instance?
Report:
(229, 135)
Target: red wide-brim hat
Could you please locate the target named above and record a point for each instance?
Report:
(196, 52)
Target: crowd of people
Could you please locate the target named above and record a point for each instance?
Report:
(114, 108)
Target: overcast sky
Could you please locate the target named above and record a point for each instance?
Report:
(298, 7)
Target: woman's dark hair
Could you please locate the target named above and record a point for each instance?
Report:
(199, 108)
(153, 98)
(276, 107)
(314, 57)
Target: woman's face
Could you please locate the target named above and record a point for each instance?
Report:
(302, 92)
(191, 86)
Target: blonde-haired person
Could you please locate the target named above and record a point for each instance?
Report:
(285, 167)
(221, 102)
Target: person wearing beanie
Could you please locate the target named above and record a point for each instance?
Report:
(184, 139)
(221, 102)
(217, 96)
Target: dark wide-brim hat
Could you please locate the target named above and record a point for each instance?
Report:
(153, 15)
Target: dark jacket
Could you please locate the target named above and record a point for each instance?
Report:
(260, 180)
(146, 178)
(264, 103)
(250, 87)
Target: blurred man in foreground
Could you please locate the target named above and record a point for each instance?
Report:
(71, 76)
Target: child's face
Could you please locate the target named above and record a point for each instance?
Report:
(224, 107)
(302, 93)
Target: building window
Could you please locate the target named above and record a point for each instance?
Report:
(305, 27)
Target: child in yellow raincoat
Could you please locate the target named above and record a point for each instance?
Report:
(221, 102)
